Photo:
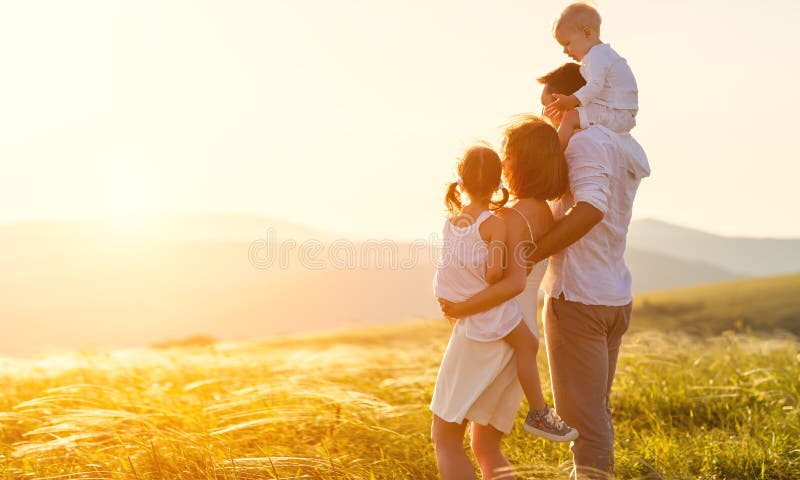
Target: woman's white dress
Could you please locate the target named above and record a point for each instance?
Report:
(478, 380)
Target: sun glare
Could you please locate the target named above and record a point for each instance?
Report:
(129, 197)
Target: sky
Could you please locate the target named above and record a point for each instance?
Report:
(350, 115)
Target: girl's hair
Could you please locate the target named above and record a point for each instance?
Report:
(479, 170)
(534, 162)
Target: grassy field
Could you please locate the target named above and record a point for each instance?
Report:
(354, 405)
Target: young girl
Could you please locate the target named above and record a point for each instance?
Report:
(473, 256)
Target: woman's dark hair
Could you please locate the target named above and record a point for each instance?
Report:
(479, 170)
(534, 162)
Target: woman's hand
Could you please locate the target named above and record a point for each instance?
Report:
(450, 309)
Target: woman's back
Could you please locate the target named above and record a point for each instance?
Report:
(527, 221)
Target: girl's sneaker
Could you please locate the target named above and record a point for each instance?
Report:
(549, 425)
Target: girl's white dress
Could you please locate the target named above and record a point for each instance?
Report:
(477, 380)
(461, 273)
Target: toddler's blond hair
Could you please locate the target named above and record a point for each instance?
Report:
(578, 15)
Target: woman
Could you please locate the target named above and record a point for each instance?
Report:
(535, 171)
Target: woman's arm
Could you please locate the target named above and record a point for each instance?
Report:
(512, 283)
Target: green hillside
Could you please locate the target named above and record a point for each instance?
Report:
(761, 305)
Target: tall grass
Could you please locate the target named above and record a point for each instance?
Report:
(353, 405)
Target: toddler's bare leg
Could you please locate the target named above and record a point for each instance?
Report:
(526, 345)
(570, 121)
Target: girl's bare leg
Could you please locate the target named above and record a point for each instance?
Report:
(526, 345)
(570, 121)
(451, 458)
(486, 446)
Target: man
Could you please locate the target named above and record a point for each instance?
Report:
(588, 285)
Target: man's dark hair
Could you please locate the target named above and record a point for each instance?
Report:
(566, 79)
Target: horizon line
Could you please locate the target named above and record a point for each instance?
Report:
(323, 231)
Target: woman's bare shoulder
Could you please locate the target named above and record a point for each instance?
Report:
(506, 215)
(536, 212)
(512, 220)
(542, 221)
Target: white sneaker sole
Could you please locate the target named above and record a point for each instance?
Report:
(550, 436)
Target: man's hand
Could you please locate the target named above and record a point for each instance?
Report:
(553, 114)
(563, 103)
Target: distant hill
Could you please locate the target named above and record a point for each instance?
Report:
(758, 305)
(196, 227)
(743, 256)
(173, 276)
(654, 271)
(89, 284)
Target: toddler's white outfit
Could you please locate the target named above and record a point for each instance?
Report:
(611, 95)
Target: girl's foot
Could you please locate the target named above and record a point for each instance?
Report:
(547, 424)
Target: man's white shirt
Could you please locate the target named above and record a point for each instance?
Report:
(604, 173)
